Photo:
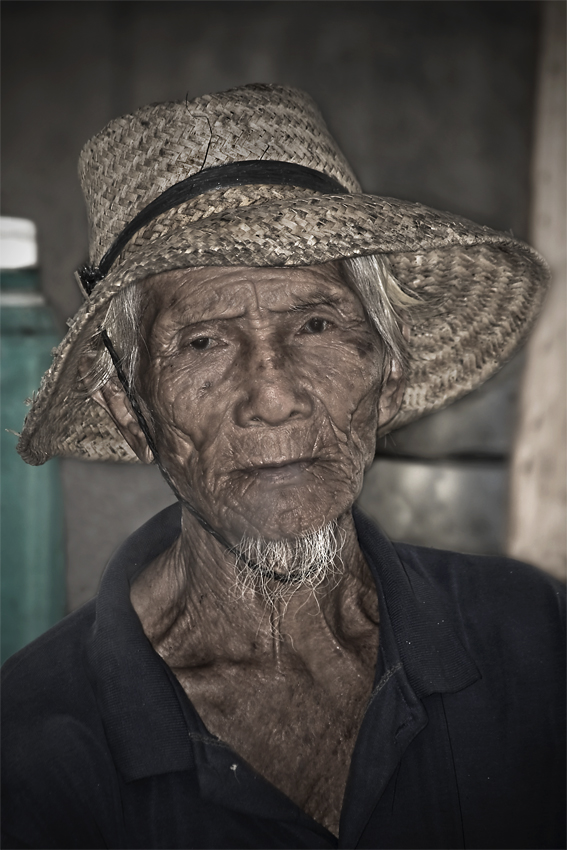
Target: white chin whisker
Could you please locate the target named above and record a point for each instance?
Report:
(277, 568)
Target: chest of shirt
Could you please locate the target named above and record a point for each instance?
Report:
(414, 782)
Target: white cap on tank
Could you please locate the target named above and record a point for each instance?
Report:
(18, 243)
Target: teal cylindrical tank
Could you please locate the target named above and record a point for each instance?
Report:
(31, 506)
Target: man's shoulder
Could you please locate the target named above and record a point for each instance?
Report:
(51, 669)
(48, 701)
(493, 595)
(459, 572)
(54, 750)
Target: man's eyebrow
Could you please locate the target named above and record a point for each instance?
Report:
(305, 304)
(191, 321)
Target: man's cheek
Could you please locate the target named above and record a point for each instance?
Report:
(351, 413)
(179, 409)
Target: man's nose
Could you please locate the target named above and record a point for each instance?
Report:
(272, 392)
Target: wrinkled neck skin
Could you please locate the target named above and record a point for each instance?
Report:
(194, 610)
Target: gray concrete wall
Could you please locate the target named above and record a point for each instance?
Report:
(430, 101)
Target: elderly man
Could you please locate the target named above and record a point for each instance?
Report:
(261, 667)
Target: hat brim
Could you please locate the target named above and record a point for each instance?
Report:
(487, 289)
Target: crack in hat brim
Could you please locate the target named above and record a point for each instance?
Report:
(486, 286)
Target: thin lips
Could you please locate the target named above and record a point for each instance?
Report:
(277, 464)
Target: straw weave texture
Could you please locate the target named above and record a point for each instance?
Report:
(486, 286)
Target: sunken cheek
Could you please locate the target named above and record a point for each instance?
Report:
(182, 395)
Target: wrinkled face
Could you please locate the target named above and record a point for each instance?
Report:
(263, 385)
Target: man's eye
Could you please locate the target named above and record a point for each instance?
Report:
(316, 326)
(201, 343)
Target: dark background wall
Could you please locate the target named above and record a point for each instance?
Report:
(430, 101)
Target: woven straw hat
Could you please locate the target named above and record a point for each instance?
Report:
(252, 177)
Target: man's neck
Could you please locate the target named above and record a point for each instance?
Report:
(195, 610)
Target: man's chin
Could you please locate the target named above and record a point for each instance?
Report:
(274, 568)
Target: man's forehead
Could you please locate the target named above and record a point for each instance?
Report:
(223, 290)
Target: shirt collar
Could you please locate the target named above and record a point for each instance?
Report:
(143, 708)
(417, 624)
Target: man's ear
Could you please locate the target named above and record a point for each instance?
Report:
(112, 398)
(391, 393)
(393, 386)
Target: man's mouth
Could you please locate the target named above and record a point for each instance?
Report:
(281, 471)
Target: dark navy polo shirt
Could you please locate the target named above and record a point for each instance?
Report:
(462, 743)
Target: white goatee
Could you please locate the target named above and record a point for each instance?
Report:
(276, 568)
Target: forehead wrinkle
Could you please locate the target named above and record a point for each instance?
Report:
(311, 293)
(193, 307)
(232, 294)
